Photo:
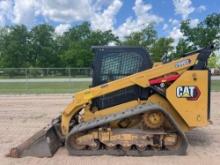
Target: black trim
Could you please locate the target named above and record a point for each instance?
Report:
(123, 95)
(94, 48)
(158, 90)
(101, 51)
(202, 57)
(198, 51)
(209, 94)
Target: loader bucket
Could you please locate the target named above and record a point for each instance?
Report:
(44, 143)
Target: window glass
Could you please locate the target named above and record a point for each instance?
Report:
(118, 65)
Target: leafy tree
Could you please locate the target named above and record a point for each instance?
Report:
(213, 61)
(144, 38)
(161, 47)
(73, 48)
(3, 33)
(80, 32)
(102, 38)
(75, 34)
(43, 47)
(205, 33)
(14, 47)
(182, 47)
(76, 45)
(76, 55)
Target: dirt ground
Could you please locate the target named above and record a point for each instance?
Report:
(23, 115)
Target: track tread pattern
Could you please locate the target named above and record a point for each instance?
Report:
(143, 108)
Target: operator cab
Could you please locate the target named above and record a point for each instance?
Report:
(114, 62)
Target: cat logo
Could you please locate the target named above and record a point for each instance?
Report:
(186, 92)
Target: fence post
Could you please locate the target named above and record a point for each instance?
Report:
(26, 77)
(69, 74)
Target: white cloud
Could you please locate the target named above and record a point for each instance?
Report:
(165, 26)
(173, 22)
(24, 11)
(62, 28)
(61, 11)
(66, 11)
(183, 8)
(112, 43)
(143, 19)
(5, 12)
(176, 34)
(194, 22)
(105, 20)
(101, 14)
(201, 8)
(169, 26)
(99, 5)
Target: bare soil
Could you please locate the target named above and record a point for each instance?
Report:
(22, 115)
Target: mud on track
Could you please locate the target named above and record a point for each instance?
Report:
(22, 115)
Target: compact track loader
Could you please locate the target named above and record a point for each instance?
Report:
(132, 107)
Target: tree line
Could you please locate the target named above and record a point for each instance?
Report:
(42, 47)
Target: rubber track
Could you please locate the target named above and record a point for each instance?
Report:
(143, 108)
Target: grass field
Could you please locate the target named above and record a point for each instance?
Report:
(215, 86)
(42, 87)
(57, 87)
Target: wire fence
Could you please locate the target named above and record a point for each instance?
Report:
(52, 80)
(43, 80)
(13, 73)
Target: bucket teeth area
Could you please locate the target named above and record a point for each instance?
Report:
(44, 143)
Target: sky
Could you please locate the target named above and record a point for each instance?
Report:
(121, 16)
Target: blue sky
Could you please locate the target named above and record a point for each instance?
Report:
(120, 16)
(166, 9)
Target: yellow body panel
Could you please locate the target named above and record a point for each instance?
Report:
(194, 112)
(155, 99)
(84, 98)
(163, 103)
(88, 115)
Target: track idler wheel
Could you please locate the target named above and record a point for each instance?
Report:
(154, 119)
(74, 142)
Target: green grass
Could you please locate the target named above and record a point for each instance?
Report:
(44, 77)
(58, 87)
(215, 85)
(42, 87)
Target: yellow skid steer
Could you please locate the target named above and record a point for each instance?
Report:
(132, 108)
